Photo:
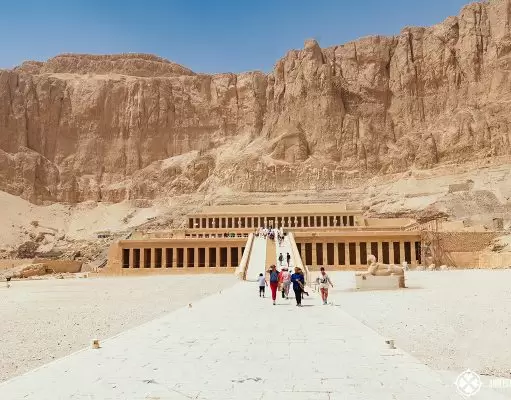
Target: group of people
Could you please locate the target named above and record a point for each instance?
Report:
(272, 234)
(288, 259)
(282, 281)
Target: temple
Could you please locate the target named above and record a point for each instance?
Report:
(222, 239)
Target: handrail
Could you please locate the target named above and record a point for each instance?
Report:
(241, 270)
(298, 258)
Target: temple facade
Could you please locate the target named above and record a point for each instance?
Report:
(218, 239)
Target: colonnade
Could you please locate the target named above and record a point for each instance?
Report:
(355, 253)
(299, 221)
(182, 257)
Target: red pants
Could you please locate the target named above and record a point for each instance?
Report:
(274, 286)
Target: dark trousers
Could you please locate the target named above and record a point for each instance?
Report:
(298, 295)
(261, 290)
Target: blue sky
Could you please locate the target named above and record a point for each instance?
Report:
(207, 35)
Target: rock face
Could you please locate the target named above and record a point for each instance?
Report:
(109, 128)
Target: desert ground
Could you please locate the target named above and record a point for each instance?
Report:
(451, 320)
(47, 319)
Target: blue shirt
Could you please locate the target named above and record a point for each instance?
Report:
(295, 278)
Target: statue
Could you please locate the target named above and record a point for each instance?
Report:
(376, 269)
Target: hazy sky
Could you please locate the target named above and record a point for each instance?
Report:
(207, 35)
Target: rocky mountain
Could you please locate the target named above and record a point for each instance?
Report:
(129, 126)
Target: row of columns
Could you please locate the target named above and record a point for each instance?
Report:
(169, 257)
(286, 222)
(413, 258)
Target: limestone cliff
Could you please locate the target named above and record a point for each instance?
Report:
(82, 127)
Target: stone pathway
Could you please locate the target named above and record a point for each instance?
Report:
(235, 345)
(257, 260)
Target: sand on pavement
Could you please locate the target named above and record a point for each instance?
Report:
(48, 319)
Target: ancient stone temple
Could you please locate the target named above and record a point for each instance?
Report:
(221, 239)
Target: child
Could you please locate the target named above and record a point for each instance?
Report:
(324, 280)
(262, 283)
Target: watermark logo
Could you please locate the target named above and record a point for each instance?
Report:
(468, 383)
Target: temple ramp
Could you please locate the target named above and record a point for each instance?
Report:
(284, 249)
(257, 261)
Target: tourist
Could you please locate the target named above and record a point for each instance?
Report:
(288, 258)
(285, 282)
(323, 281)
(262, 283)
(281, 259)
(274, 282)
(298, 281)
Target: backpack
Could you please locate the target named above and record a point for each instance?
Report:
(274, 276)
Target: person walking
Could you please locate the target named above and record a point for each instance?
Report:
(281, 259)
(274, 282)
(262, 284)
(298, 281)
(323, 281)
(285, 282)
(288, 259)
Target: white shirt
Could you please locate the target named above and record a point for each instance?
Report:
(261, 281)
(324, 281)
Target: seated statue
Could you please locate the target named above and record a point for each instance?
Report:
(377, 269)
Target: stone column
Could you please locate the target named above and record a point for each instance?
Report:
(402, 251)
(412, 252)
(217, 257)
(325, 254)
(131, 261)
(153, 257)
(240, 255)
(380, 251)
(336, 253)
(302, 253)
(228, 257)
(391, 252)
(164, 257)
(142, 258)
(174, 257)
(266, 222)
(346, 253)
(357, 253)
(206, 257)
(195, 257)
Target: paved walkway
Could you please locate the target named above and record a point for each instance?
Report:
(257, 260)
(284, 249)
(235, 345)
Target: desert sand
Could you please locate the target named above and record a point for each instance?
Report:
(450, 320)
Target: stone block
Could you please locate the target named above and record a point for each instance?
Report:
(379, 282)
